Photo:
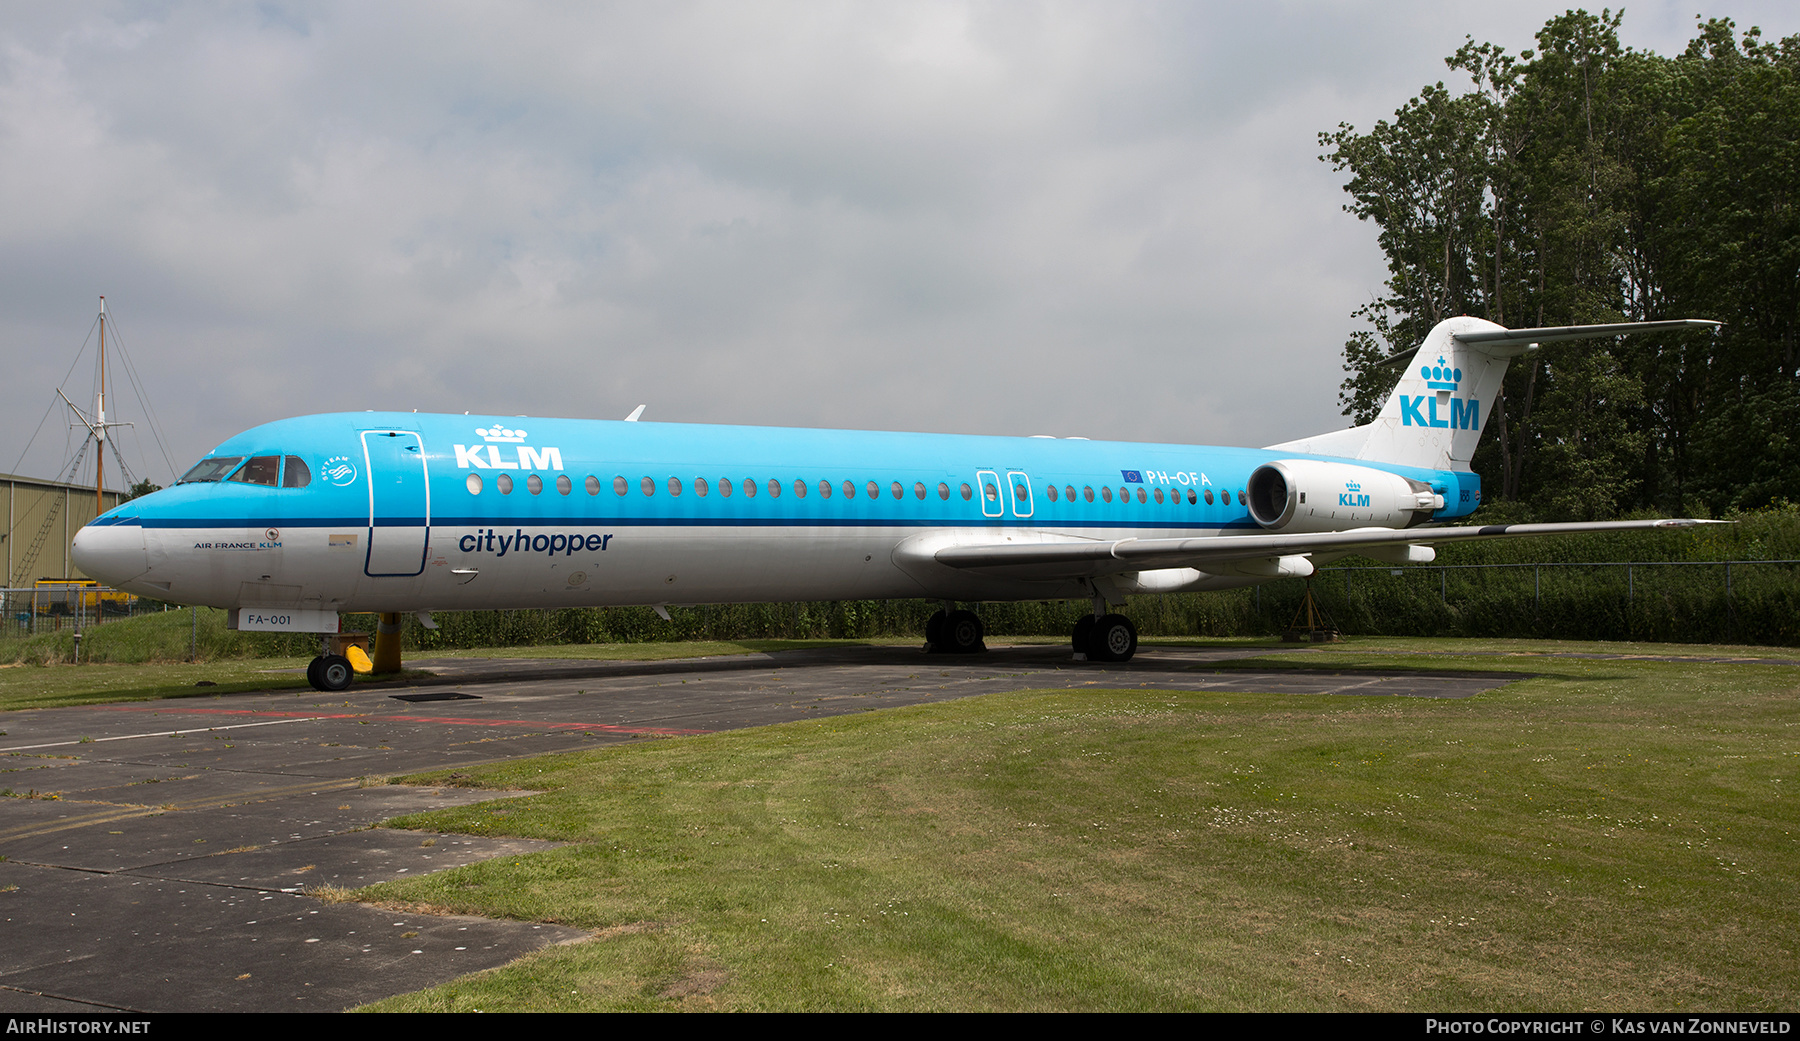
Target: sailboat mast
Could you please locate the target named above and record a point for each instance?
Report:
(100, 423)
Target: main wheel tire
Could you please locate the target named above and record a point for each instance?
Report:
(1113, 638)
(335, 673)
(934, 630)
(1083, 629)
(312, 673)
(963, 632)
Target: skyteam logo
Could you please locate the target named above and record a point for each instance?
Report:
(1352, 495)
(1421, 410)
(339, 470)
(492, 456)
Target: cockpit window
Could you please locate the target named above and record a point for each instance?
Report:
(296, 474)
(259, 469)
(210, 469)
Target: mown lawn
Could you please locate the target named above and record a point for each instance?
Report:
(1607, 835)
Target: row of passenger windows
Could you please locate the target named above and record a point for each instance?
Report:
(270, 470)
(750, 488)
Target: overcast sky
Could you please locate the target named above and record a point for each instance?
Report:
(1098, 219)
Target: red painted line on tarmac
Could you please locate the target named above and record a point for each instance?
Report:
(611, 728)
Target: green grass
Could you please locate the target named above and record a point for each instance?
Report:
(59, 686)
(1608, 835)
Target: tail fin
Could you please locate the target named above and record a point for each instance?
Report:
(1433, 419)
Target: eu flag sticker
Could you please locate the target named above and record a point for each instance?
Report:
(1132, 476)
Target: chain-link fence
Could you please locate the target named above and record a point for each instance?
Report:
(54, 606)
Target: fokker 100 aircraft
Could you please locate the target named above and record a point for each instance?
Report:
(290, 523)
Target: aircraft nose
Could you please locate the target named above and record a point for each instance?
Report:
(112, 553)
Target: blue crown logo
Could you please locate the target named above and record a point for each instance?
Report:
(1352, 486)
(1441, 376)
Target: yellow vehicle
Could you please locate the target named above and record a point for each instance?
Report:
(67, 596)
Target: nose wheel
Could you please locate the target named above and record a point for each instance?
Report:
(330, 673)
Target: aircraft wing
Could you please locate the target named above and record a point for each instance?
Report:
(1242, 554)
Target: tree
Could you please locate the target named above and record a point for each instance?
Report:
(1584, 182)
(142, 488)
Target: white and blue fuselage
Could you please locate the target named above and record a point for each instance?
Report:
(406, 512)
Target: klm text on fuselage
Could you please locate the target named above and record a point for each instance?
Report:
(488, 457)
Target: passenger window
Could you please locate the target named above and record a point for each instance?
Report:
(918, 489)
(874, 490)
(534, 484)
(296, 474)
(647, 486)
(1191, 497)
(774, 488)
(1225, 497)
(992, 493)
(849, 489)
(1241, 496)
(1141, 495)
(899, 492)
(504, 483)
(473, 482)
(749, 487)
(1159, 496)
(563, 487)
(674, 486)
(967, 492)
(725, 487)
(824, 489)
(1209, 497)
(620, 486)
(593, 485)
(1051, 492)
(1019, 493)
(943, 491)
(1106, 493)
(1069, 492)
(700, 487)
(1087, 492)
(260, 469)
(799, 487)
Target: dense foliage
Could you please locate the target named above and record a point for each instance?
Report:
(1585, 182)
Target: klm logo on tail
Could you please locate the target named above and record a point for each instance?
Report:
(1421, 410)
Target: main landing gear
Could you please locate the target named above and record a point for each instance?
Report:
(1097, 637)
(1105, 637)
(954, 632)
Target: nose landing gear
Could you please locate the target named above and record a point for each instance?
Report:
(330, 673)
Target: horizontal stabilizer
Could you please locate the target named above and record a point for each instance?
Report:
(1487, 340)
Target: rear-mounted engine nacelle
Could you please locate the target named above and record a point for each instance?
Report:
(1304, 495)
